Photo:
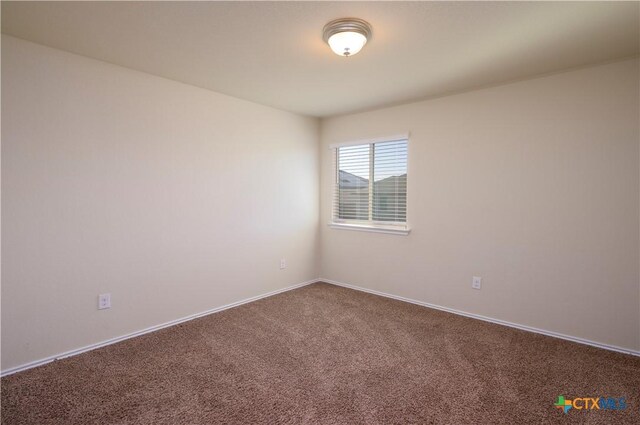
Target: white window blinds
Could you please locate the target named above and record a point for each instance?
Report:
(371, 183)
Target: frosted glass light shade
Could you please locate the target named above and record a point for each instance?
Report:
(347, 43)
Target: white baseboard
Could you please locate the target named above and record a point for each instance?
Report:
(488, 319)
(299, 285)
(147, 330)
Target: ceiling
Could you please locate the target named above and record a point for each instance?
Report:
(272, 52)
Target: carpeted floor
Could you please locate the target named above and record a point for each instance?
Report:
(327, 355)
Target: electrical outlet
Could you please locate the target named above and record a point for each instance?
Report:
(283, 263)
(476, 282)
(104, 301)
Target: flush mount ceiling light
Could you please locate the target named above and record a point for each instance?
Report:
(346, 36)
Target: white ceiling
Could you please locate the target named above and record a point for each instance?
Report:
(273, 53)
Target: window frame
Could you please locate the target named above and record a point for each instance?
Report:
(397, 228)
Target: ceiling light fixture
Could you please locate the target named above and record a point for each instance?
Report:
(346, 36)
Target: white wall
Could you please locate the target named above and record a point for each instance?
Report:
(172, 198)
(531, 185)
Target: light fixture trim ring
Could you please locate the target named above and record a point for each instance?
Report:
(346, 25)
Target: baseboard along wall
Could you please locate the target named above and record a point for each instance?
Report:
(488, 319)
(110, 341)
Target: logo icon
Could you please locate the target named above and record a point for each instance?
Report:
(590, 403)
(563, 404)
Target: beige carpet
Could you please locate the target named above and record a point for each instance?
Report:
(327, 355)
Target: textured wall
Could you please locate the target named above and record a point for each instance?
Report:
(531, 185)
(172, 198)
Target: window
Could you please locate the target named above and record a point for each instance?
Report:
(370, 186)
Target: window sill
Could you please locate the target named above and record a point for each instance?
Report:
(371, 228)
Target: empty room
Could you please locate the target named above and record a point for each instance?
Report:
(320, 213)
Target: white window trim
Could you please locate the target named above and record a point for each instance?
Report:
(374, 227)
(402, 136)
(391, 230)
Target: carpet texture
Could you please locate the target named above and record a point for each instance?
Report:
(323, 354)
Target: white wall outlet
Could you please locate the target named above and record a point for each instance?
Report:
(476, 282)
(283, 263)
(104, 301)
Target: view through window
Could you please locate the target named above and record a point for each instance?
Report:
(371, 183)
